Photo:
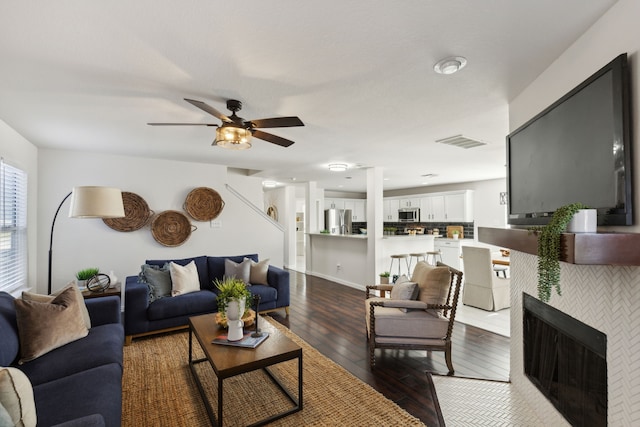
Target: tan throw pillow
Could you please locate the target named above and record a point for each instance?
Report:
(16, 396)
(258, 273)
(44, 326)
(29, 296)
(184, 279)
(433, 282)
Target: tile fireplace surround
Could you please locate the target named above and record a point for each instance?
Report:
(605, 297)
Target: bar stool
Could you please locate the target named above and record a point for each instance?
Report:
(431, 257)
(417, 256)
(398, 257)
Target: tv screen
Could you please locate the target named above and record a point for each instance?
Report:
(576, 150)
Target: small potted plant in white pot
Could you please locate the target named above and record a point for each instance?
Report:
(83, 275)
(232, 292)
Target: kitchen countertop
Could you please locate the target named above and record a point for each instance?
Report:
(345, 236)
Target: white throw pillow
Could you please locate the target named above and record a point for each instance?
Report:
(16, 396)
(184, 279)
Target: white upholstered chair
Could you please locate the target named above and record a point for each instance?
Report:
(482, 288)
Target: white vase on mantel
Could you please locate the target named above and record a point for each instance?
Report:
(584, 221)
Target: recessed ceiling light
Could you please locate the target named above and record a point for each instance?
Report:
(337, 167)
(269, 184)
(450, 65)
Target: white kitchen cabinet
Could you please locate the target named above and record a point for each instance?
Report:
(458, 207)
(358, 209)
(390, 210)
(333, 204)
(432, 208)
(413, 202)
(450, 249)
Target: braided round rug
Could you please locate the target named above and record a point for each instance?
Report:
(159, 390)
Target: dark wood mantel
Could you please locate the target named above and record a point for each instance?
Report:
(580, 248)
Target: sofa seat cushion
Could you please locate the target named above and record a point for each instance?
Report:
(415, 324)
(103, 345)
(267, 293)
(94, 391)
(201, 266)
(181, 305)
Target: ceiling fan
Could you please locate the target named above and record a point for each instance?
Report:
(236, 132)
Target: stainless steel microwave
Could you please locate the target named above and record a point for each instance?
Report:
(409, 215)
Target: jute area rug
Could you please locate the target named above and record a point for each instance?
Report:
(159, 390)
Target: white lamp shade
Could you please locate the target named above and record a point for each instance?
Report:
(96, 202)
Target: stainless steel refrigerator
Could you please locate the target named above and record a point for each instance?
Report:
(337, 221)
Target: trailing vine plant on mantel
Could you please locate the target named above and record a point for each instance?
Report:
(549, 249)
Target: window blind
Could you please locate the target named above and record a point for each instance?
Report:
(13, 228)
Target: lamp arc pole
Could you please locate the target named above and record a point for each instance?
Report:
(53, 224)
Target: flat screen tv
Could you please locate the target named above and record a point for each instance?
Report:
(576, 150)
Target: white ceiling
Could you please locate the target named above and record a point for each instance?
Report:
(88, 75)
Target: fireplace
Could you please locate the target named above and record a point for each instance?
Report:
(566, 360)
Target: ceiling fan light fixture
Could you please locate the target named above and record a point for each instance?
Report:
(450, 65)
(233, 137)
(338, 167)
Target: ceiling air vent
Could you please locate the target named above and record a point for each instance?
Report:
(461, 142)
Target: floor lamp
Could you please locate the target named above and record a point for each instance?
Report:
(89, 202)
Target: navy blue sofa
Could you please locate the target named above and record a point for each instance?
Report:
(78, 384)
(172, 313)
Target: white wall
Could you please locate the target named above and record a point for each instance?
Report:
(602, 296)
(164, 185)
(18, 152)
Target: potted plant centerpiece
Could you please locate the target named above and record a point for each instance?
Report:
(234, 296)
(83, 275)
(549, 248)
(384, 278)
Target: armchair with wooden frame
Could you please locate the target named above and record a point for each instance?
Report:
(417, 322)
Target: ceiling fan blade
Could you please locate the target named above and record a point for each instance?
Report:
(277, 122)
(209, 109)
(272, 138)
(182, 124)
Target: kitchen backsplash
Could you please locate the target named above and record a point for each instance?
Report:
(400, 226)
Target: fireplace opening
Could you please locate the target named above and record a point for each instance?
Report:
(567, 361)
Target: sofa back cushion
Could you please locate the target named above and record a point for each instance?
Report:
(201, 266)
(217, 268)
(434, 283)
(8, 330)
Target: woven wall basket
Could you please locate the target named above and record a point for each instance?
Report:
(171, 228)
(136, 214)
(203, 204)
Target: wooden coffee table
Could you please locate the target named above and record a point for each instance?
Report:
(228, 361)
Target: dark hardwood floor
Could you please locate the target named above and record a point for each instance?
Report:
(330, 317)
